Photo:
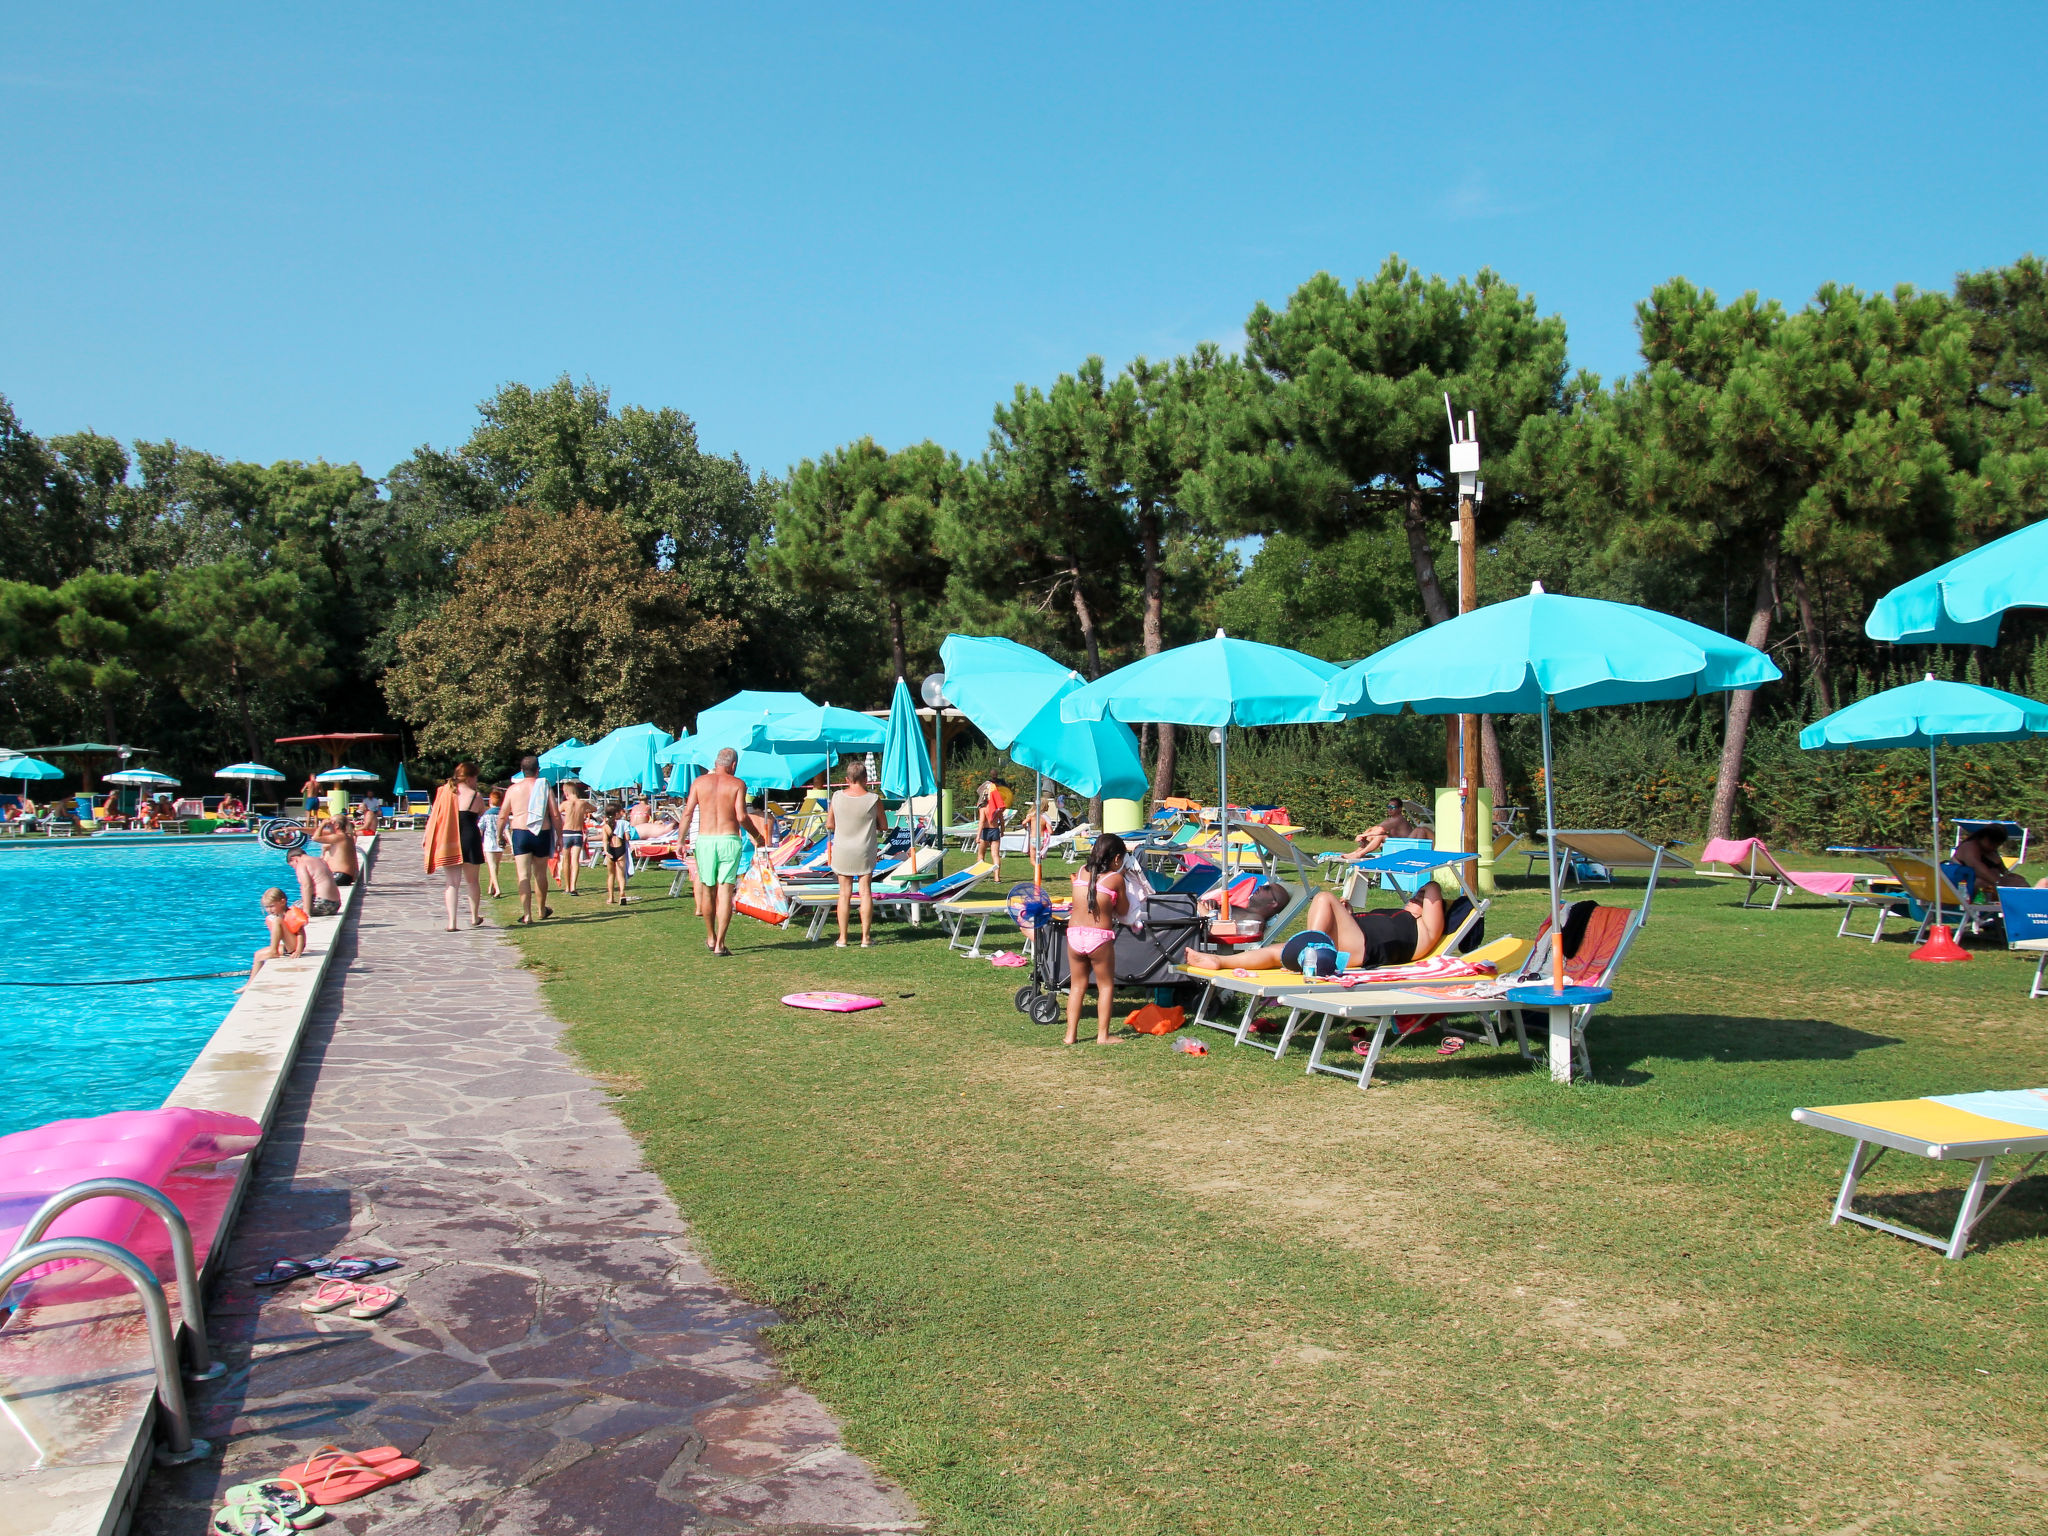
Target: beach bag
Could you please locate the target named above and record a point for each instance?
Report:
(761, 896)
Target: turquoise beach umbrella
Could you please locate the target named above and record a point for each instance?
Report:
(826, 727)
(760, 770)
(625, 757)
(1215, 682)
(27, 768)
(1963, 601)
(757, 701)
(906, 765)
(1926, 714)
(1016, 697)
(1543, 652)
(401, 786)
(1219, 682)
(562, 760)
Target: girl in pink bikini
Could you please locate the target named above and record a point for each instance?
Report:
(1091, 934)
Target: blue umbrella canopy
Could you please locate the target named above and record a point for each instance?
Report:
(1543, 652)
(1569, 652)
(626, 756)
(1016, 697)
(146, 777)
(249, 771)
(26, 768)
(1217, 682)
(760, 770)
(825, 727)
(906, 765)
(1964, 601)
(346, 776)
(562, 760)
(1925, 714)
(757, 701)
(401, 786)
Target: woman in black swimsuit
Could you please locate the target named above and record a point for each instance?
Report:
(467, 804)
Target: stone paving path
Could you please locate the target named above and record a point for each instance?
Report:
(563, 1362)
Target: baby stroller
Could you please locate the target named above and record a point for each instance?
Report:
(1144, 958)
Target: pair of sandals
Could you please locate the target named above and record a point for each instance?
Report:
(1361, 1038)
(297, 1497)
(349, 1267)
(362, 1301)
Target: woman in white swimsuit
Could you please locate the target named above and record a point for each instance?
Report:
(493, 836)
(1091, 934)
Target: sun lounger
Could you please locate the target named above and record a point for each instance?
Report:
(1608, 936)
(2015, 833)
(1925, 885)
(1975, 1128)
(1747, 858)
(906, 900)
(2026, 928)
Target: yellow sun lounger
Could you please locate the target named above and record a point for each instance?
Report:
(1951, 1128)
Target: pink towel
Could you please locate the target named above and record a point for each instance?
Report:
(1735, 853)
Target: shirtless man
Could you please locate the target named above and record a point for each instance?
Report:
(532, 817)
(338, 847)
(1978, 864)
(1371, 939)
(319, 893)
(1397, 824)
(576, 808)
(718, 800)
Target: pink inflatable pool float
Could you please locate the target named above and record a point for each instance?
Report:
(832, 1002)
(141, 1144)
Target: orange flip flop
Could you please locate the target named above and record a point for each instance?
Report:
(335, 1476)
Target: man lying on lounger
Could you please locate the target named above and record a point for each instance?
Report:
(1372, 939)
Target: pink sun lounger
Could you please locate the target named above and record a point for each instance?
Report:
(1748, 859)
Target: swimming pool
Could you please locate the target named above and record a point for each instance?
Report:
(75, 914)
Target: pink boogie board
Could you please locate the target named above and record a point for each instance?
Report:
(832, 1002)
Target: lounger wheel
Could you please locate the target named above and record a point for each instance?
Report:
(1045, 1010)
(1026, 996)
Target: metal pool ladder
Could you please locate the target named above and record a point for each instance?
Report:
(31, 1252)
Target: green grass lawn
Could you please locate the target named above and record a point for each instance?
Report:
(1057, 1289)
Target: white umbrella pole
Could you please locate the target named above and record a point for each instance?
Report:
(1934, 807)
(1550, 832)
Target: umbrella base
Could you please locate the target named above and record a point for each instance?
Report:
(1941, 947)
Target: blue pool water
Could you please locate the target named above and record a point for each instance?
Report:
(86, 913)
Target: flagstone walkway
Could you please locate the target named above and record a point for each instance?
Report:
(563, 1361)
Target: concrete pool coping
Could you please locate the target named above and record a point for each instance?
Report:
(79, 1402)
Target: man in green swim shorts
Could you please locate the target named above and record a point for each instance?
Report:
(718, 802)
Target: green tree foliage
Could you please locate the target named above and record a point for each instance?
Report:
(46, 532)
(1346, 429)
(864, 520)
(1807, 453)
(110, 637)
(559, 625)
(2002, 473)
(245, 635)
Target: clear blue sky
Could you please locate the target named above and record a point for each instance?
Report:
(329, 231)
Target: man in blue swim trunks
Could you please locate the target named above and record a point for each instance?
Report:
(534, 818)
(718, 802)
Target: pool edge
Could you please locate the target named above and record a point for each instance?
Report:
(242, 1069)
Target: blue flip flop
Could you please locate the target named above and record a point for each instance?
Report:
(359, 1268)
(285, 1271)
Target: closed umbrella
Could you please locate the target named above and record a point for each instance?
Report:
(1963, 601)
(625, 757)
(401, 786)
(1544, 652)
(1925, 714)
(906, 765)
(1219, 682)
